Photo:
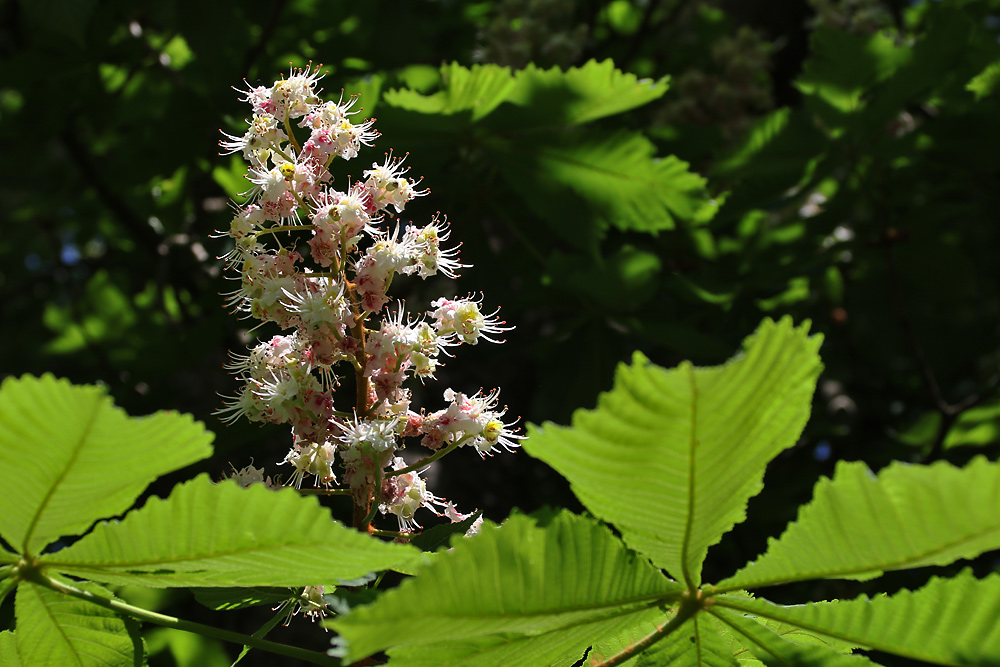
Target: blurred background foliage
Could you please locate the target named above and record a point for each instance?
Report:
(690, 167)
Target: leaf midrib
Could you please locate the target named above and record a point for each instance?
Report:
(692, 446)
(874, 570)
(842, 636)
(77, 447)
(96, 566)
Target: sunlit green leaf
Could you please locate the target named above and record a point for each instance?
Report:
(207, 534)
(748, 642)
(520, 594)
(578, 95)
(843, 65)
(979, 425)
(761, 134)
(369, 92)
(8, 650)
(231, 178)
(71, 457)
(107, 313)
(178, 52)
(627, 639)
(797, 290)
(478, 90)
(947, 622)
(700, 642)
(984, 83)
(56, 629)
(672, 456)
(782, 649)
(859, 525)
(615, 180)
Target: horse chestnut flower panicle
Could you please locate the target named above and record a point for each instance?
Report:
(318, 262)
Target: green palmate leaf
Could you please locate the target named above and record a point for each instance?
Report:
(768, 647)
(539, 98)
(8, 650)
(700, 642)
(858, 526)
(563, 648)
(780, 152)
(520, 594)
(928, 65)
(746, 648)
(231, 178)
(795, 634)
(628, 639)
(672, 456)
(579, 95)
(369, 91)
(70, 457)
(209, 534)
(947, 622)
(55, 629)
(479, 90)
(762, 133)
(844, 65)
(984, 83)
(614, 180)
(976, 426)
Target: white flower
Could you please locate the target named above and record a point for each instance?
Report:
(249, 476)
(404, 494)
(318, 301)
(294, 96)
(463, 318)
(311, 459)
(387, 186)
(262, 134)
(244, 404)
(379, 434)
(472, 419)
(424, 247)
(332, 133)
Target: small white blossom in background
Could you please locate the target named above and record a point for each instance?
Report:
(318, 262)
(310, 602)
(404, 494)
(249, 476)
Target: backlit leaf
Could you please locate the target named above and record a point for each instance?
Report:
(56, 629)
(520, 594)
(859, 525)
(71, 457)
(672, 456)
(207, 534)
(947, 622)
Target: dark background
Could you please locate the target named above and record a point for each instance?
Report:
(856, 172)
